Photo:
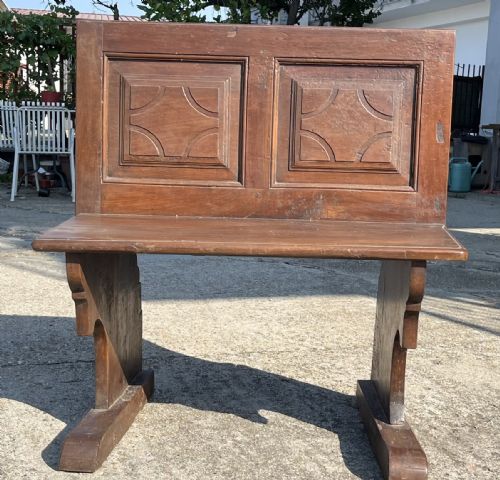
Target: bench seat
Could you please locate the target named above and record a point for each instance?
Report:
(251, 236)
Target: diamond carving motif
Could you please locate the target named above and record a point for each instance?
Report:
(174, 121)
(157, 117)
(345, 124)
(328, 116)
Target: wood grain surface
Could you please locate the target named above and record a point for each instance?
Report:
(107, 295)
(266, 237)
(225, 120)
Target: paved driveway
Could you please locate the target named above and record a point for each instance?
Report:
(256, 360)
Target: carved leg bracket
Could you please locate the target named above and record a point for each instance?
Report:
(107, 295)
(381, 399)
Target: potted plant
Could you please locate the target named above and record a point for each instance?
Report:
(51, 95)
(57, 45)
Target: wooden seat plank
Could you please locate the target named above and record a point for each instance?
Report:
(251, 236)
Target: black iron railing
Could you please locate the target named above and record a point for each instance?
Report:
(467, 95)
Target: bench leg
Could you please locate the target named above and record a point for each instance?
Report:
(381, 399)
(107, 295)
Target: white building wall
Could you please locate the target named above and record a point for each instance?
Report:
(490, 110)
(471, 40)
(469, 21)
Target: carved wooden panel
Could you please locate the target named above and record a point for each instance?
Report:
(379, 99)
(174, 121)
(196, 103)
(345, 124)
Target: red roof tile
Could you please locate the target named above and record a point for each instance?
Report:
(80, 16)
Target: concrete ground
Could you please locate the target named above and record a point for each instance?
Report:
(256, 360)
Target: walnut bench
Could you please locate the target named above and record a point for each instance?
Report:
(261, 141)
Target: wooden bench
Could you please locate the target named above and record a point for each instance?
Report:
(255, 140)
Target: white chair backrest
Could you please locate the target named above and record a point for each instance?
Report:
(8, 115)
(44, 128)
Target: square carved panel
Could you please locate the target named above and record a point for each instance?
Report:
(174, 121)
(345, 124)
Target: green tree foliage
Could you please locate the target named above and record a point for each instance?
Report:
(38, 42)
(351, 13)
(346, 13)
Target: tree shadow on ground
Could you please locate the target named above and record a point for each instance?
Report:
(57, 378)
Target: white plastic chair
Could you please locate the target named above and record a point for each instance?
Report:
(8, 113)
(9, 118)
(47, 129)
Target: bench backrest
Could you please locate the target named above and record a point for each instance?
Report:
(263, 121)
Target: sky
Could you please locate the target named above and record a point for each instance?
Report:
(127, 7)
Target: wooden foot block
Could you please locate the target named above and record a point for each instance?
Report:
(92, 440)
(396, 448)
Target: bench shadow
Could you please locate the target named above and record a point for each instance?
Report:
(62, 385)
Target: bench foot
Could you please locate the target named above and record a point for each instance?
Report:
(396, 448)
(92, 440)
(107, 294)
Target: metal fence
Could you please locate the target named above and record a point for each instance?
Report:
(467, 95)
